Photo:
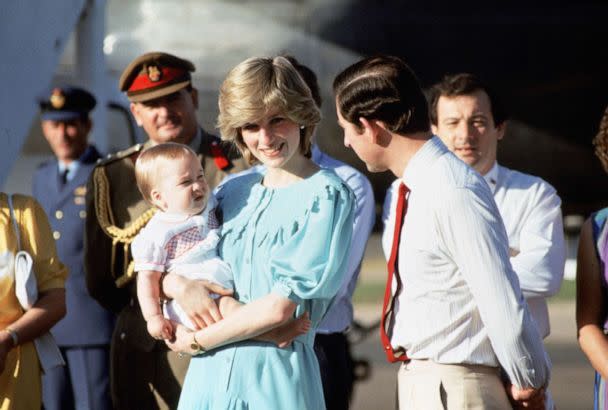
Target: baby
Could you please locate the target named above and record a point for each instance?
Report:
(181, 238)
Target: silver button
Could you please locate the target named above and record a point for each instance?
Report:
(56, 235)
(58, 214)
(123, 335)
(82, 214)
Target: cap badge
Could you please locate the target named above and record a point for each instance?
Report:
(154, 73)
(57, 99)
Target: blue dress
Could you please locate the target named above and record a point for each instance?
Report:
(292, 241)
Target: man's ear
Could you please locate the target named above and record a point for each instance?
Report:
(87, 125)
(194, 96)
(369, 128)
(501, 129)
(376, 129)
(135, 111)
(434, 129)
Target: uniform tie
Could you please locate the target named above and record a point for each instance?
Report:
(387, 319)
(63, 176)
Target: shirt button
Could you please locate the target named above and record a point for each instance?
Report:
(58, 214)
(82, 214)
(56, 235)
(123, 335)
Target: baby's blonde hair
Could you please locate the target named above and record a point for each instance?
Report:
(151, 161)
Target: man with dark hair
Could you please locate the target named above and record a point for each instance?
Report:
(453, 311)
(83, 335)
(470, 119)
(145, 374)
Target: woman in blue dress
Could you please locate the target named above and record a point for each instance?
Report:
(285, 235)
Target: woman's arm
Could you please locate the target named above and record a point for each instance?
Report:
(250, 320)
(193, 297)
(47, 311)
(590, 301)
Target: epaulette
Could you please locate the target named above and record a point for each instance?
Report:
(119, 155)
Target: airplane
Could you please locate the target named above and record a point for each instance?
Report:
(548, 59)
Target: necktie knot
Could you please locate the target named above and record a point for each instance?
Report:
(63, 175)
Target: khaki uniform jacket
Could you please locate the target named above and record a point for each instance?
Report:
(144, 373)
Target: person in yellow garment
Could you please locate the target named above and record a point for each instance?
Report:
(20, 386)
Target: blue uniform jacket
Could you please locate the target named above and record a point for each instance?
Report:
(86, 322)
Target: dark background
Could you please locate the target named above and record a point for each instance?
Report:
(547, 59)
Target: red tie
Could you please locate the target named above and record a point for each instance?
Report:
(389, 300)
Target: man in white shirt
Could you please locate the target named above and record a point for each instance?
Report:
(470, 120)
(460, 314)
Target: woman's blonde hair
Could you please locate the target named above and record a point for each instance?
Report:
(600, 142)
(259, 86)
(150, 163)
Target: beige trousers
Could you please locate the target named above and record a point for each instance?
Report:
(426, 385)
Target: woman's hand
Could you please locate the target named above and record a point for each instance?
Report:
(182, 340)
(193, 297)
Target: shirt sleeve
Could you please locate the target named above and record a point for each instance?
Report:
(362, 227)
(147, 253)
(311, 263)
(473, 229)
(542, 250)
(38, 241)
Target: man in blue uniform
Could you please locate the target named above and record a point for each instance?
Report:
(60, 186)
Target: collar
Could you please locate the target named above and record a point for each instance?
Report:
(70, 169)
(417, 169)
(491, 177)
(317, 154)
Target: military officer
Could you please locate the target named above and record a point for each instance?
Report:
(83, 335)
(145, 374)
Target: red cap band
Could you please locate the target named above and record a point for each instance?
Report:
(147, 78)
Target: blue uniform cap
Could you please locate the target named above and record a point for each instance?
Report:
(66, 103)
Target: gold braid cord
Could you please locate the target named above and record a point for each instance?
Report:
(118, 235)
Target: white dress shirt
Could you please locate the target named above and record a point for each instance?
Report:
(71, 168)
(530, 210)
(340, 314)
(461, 301)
